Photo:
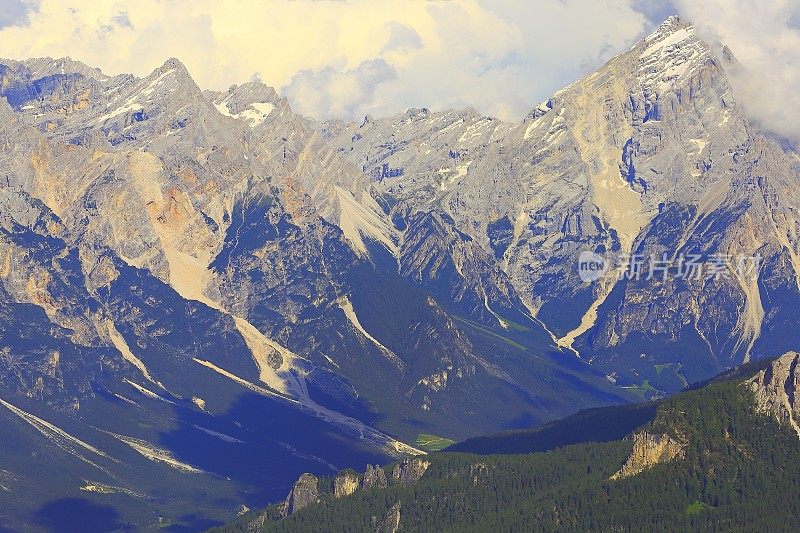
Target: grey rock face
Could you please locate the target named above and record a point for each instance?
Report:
(776, 390)
(304, 492)
(421, 266)
(648, 451)
(374, 478)
(649, 155)
(409, 470)
(345, 484)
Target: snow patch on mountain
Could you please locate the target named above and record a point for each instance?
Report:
(255, 114)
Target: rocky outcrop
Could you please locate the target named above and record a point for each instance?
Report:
(345, 484)
(306, 489)
(775, 389)
(304, 492)
(648, 451)
(374, 478)
(409, 470)
(390, 523)
(257, 523)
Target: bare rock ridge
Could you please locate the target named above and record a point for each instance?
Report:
(374, 478)
(305, 490)
(409, 470)
(345, 484)
(390, 523)
(776, 390)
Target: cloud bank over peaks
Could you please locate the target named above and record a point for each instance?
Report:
(347, 58)
(764, 36)
(333, 93)
(351, 58)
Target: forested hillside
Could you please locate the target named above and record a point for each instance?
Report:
(706, 459)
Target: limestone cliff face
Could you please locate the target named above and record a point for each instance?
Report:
(158, 242)
(409, 470)
(304, 492)
(231, 200)
(776, 390)
(648, 451)
(345, 484)
(374, 478)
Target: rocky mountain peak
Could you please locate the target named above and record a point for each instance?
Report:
(252, 101)
(174, 71)
(173, 64)
(673, 23)
(669, 56)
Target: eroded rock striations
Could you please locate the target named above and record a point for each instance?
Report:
(165, 249)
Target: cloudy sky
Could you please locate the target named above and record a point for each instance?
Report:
(347, 59)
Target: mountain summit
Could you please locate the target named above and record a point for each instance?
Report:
(204, 290)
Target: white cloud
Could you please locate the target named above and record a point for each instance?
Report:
(333, 93)
(16, 12)
(382, 56)
(501, 57)
(764, 35)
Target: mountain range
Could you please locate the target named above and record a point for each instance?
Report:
(206, 294)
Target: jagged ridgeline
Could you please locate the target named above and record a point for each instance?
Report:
(204, 294)
(721, 457)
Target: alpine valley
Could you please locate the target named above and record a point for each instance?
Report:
(204, 294)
